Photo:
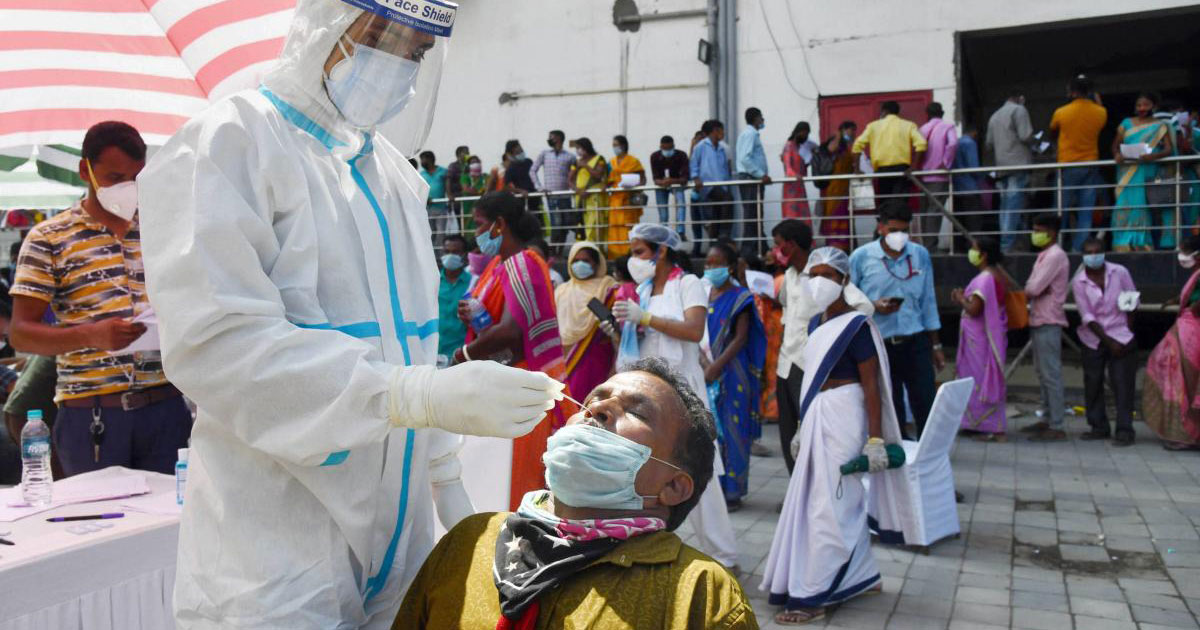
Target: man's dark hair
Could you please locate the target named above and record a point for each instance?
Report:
(1080, 84)
(794, 231)
(113, 133)
(695, 452)
(1048, 220)
(667, 140)
(891, 107)
(461, 150)
(847, 124)
(456, 237)
(935, 110)
(428, 154)
(710, 125)
(1092, 240)
(895, 210)
(557, 133)
(510, 145)
(752, 114)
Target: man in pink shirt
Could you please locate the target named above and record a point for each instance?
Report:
(943, 142)
(1107, 340)
(1047, 292)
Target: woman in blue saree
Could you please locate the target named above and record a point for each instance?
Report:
(1132, 223)
(738, 343)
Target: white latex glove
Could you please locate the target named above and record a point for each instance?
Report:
(472, 398)
(606, 327)
(877, 459)
(629, 311)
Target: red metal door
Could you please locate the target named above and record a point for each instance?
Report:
(863, 108)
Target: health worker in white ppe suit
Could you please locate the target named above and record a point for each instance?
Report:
(289, 261)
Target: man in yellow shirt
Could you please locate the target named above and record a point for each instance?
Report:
(1077, 126)
(894, 144)
(597, 549)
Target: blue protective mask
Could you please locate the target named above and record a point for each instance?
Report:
(452, 262)
(591, 467)
(489, 245)
(582, 269)
(668, 152)
(371, 86)
(717, 276)
(1093, 261)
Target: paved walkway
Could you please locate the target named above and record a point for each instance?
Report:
(1055, 536)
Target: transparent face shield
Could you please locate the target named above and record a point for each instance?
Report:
(385, 70)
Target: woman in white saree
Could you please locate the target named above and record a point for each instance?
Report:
(821, 553)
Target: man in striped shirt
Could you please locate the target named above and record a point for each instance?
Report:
(85, 263)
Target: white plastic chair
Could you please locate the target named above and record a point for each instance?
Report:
(927, 466)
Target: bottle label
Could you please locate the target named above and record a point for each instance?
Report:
(35, 447)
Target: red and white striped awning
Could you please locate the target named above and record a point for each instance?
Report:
(68, 64)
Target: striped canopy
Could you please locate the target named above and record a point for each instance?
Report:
(68, 64)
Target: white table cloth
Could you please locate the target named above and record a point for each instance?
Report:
(120, 578)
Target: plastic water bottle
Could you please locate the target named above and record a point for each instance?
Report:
(36, 477)
(181, 475)
(480, 318)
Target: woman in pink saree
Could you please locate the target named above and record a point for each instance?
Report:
(1171, 394)
(797, 154)
(983, 342)
(590, 354)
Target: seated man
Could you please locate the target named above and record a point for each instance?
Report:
(596, 550)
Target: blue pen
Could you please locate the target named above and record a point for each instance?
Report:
(86, 517)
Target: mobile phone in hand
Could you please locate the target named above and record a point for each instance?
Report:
(896, 301)
(602, 312)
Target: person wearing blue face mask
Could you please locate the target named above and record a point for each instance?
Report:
(738, 343)
(670, 168)
(596, 550)
(588, 349)
(455, 281)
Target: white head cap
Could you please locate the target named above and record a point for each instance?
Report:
(831, 256)
(655, 233)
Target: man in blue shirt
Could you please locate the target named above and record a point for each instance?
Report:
(968, 204)
(440, 219)
(452, 332)
(711, 205)
(897, 276)
(752, 164)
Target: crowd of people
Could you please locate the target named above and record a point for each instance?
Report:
(590, 196)
(303, 312)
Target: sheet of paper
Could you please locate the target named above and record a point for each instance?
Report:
(1038, 135)
(1128, 301)
(1042, 147)
(110, 483)
(149, 341)
(760, 283)
(159, 503)
(1135, 150)
(630, 180)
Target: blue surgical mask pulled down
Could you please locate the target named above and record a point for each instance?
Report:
(589, 466)
(371, 86)
(489, 245)
(717, 276)
(452, 262)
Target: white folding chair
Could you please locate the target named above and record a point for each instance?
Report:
(927, 466)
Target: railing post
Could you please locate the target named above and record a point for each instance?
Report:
(1178, 211)
(1058, 192)
(953, 208)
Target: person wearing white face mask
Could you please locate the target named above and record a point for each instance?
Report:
(118, 409)
(898, 276)
(288, 258)
(671, 312)
(821, 551)
(1171, 389)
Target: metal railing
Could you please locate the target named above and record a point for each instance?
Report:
(841, 218)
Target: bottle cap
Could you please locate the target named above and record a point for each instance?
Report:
(33, 414)
(183, 454)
